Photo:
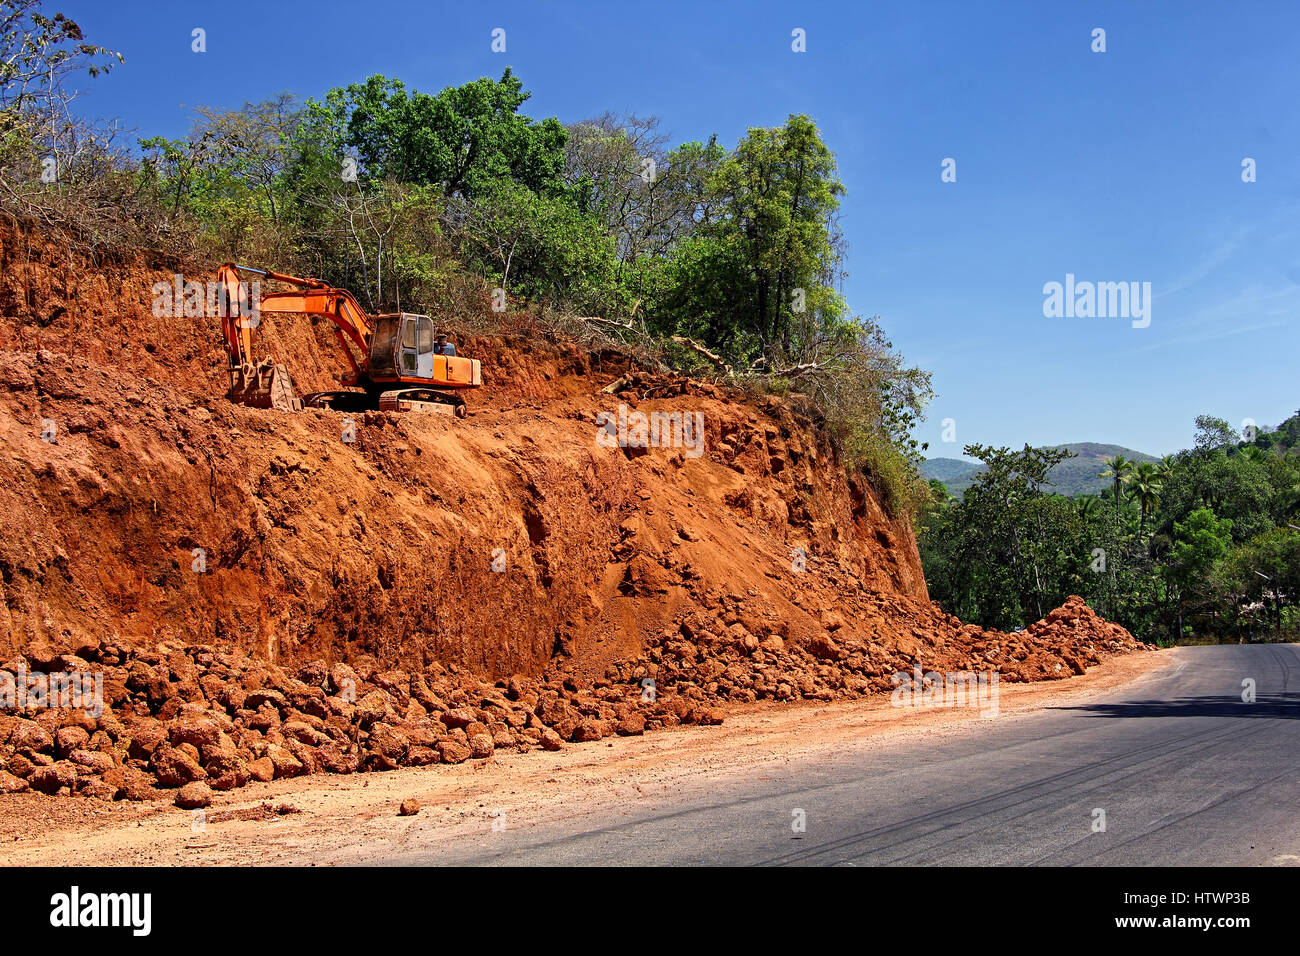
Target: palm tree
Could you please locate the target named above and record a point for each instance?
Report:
(1120, 471)
(1144, 486)
(1085, 506)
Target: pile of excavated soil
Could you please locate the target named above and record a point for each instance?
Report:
(200, 718)
(506, 581)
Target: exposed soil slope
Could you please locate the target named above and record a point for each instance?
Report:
(503, 581)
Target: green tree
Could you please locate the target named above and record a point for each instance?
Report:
(1199, 543)
(1087, 505)
(1010, 546)
(1213, 434)
(1260, 579)
(467, 139)
(1119, 472)
(1144, 487)
(536, 244)
(757, 281)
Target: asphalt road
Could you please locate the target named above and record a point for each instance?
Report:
(1186, 772)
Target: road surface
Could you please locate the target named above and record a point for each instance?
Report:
(1185, 771)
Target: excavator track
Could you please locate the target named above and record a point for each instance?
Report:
(422, 400)
(341, 401)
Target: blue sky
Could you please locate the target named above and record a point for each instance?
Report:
(1115, 166)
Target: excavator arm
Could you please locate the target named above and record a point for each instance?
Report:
(236, 315)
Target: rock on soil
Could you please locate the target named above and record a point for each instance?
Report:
(187, 724)
(192, 796)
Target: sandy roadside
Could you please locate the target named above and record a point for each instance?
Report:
(343, 819)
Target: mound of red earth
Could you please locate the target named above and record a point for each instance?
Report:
(275, 593)
(199, 718)
(201, 715)
(723, 653)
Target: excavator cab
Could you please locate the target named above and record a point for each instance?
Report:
(401, 345)
(417, 346)
(403, 358)
(386, 342)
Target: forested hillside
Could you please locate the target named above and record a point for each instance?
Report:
(1204, 543)
(1079, 475)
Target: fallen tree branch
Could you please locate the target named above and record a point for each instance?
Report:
(699, 349)
(794, 371)
(628, 326)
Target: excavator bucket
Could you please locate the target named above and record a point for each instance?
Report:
(267, 385)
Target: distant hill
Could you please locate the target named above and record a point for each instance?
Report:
(1075, 476)
(956, 474)
(950, 471)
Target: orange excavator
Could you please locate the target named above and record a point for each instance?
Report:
(395, 362)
